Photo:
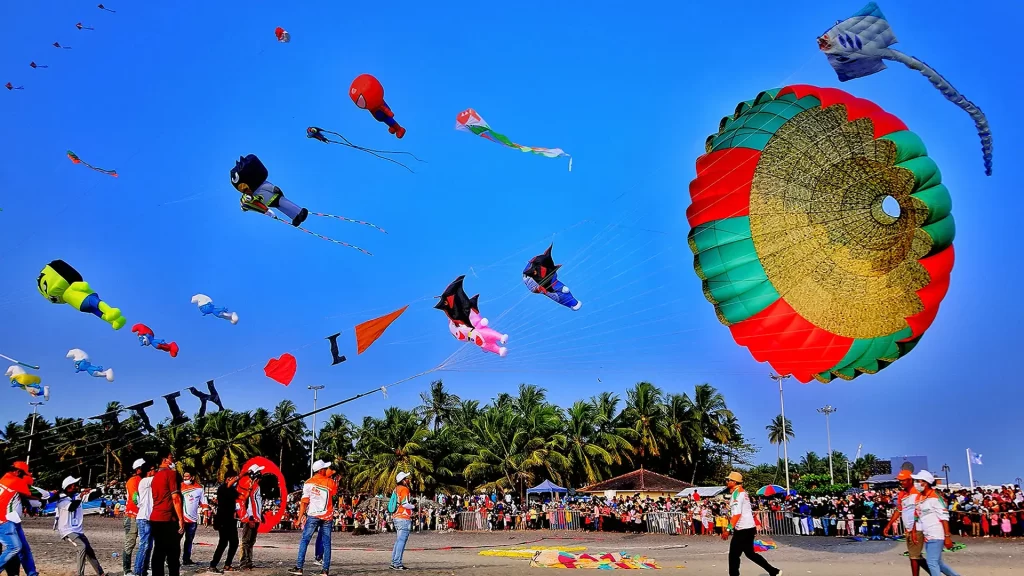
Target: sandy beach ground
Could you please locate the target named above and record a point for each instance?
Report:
(458, 554)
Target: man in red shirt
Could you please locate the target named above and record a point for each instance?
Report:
(167, 521)
(131, 510)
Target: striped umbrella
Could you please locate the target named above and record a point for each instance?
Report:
(773, 489)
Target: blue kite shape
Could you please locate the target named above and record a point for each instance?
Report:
(206, 306)
(541, 277)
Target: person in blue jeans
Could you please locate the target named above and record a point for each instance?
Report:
(145, 550)
(316, 512)
(402, 518)
(931, 516)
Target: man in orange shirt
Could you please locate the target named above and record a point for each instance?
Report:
(131, 510)
(908, 497)
(15, 486)
(402, 517)
(316, 512)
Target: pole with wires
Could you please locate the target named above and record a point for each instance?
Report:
(828, 410)
(32, 429)
(312, 441)
(785, 440)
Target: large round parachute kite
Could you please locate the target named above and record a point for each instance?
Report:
(793, 245)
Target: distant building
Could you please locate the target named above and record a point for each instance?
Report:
(885, 472)
(642, 482)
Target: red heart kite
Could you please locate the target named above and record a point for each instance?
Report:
(281, 369)
(268, 468)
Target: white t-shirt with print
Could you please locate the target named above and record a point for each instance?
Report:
(69, 522)
(739, 505)
(145, 498)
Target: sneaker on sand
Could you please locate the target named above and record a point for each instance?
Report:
(296, 571)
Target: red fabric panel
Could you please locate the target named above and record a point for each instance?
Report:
(939, 267)
(790, 343)
(883, 122)
(722, 186)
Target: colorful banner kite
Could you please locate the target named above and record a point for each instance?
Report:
(469, 121)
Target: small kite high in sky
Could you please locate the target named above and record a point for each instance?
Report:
(465, 322)
(101, 7)
(74, 158)
(82, 364)
(10, 86)
(541, 277)
(368, 93)
(858, 47)
(81, 27)
(34, 65)
(57, 45)
(470, 121)
(325, 136)
(282, 35)
(148, 338)
(206, 306)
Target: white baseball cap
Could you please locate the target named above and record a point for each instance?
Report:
(138, 463)
(320, 465)
(68, 482)
(255, 468)
(925, 476)
(402, 476)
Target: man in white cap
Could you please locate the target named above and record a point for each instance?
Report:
(142, 519)
(932, 518)
(69, 523)
(316, 512)
(742, 528)
(251, 511)
(131, 510)
(400, 506)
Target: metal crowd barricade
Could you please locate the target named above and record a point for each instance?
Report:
(667, 523)
(564, 520)
(470, 521)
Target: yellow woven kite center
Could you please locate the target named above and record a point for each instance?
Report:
(818, 226)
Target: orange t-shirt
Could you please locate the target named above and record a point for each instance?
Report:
(402, 513)
(131, 507)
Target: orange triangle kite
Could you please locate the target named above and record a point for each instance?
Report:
(368, 332)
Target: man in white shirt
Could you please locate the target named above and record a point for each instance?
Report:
(69, 523)
(742, 526)
(142, 521)
(193, 500)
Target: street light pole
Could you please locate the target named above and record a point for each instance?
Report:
(827, 410)
(785, 436)
(312, 441)
(945, 471)
(32, 429)
(848, 466)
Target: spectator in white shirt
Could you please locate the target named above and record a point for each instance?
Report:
(932, 518)
(743, 528)
(142, 521)
(69, 524)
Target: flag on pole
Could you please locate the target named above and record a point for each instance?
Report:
(975, 458)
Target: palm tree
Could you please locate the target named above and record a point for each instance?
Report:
(611, 433)
(865, 466)
(585, 455)
(779, 433)
(438, 405)
(684, 435)
(811, 463)
(645, 415)
(229, 442)
(712, 413)
(389, 446)
(290, 439)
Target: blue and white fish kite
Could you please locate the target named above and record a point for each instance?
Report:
(206, 306)
(858, 47)
(82, 364)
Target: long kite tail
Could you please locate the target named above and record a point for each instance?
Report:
(320, 236)
(346, 142)
(74, 158)
(363, 222)
(954, 96)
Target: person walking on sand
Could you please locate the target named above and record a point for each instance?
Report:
(167, 520)
(933, 518)
(194, 503)
(225, 524)
(400, 506)
(908, 498)
(251, 512)
(742, 528)
(69, 524)
(131, 510)
(316, 512)
(15, 487)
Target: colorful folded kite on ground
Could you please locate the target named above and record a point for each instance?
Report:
(612, 561)
(74, 158)
(764, 545)
(470, 121)
(528, 552)
(368, 332)
(858, 47)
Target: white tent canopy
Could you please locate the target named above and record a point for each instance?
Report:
(702, 491)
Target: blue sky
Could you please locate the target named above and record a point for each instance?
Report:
(171, 96)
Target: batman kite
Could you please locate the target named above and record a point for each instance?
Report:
(541, 277)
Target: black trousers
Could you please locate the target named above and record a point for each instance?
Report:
(227, 538)
(743, 544)
(166, 548)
